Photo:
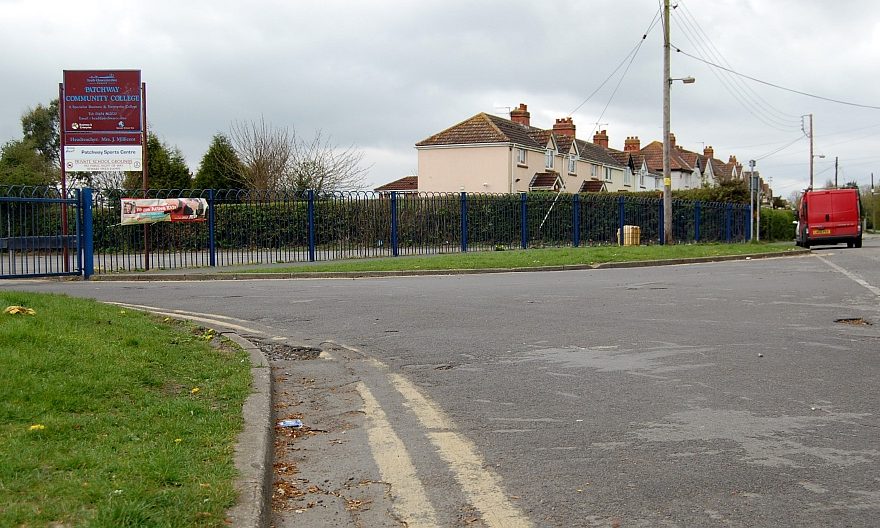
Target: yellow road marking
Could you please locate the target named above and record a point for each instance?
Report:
(411, 502)
(482, 485)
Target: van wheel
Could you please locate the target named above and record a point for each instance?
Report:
(850, 244)
(806, 243)
(858, 243)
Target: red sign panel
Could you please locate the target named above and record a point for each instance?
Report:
(102, 101)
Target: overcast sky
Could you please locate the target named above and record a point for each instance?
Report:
(382, 75)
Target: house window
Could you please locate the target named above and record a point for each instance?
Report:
(627, 176)
(548, 159)
(521, 158)
(594, 171)
(572, 164)
(642, 177)
(608, 174)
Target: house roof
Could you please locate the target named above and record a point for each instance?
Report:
(545, 181)
(486, 128)
(592, 186)
(407, 183)
(653, 153)
(594, 152)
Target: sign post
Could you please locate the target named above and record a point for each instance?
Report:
(103, 125)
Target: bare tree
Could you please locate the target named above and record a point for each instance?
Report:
(265, 151)
(321, 166)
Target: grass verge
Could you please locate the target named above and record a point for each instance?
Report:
(531, 258)
(113, 418)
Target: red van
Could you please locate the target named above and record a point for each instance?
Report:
(829, 216)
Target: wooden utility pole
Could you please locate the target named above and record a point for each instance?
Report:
(811, 151)
(835, 172)
(667, 175)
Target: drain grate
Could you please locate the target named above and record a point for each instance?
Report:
(281, 352)
(855, 321)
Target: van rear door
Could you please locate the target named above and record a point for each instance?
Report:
(845, 213)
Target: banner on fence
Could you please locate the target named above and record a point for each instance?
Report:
(152, 210)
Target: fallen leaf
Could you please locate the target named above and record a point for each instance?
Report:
(19, 310)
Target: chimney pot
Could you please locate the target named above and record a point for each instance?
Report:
(709, 152)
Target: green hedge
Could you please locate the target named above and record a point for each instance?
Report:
(777, 224)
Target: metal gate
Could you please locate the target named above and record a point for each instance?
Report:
(40, 233)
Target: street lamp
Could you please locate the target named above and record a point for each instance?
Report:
(812, 157)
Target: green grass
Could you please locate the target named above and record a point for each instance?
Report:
(100, 424)
(531, 258)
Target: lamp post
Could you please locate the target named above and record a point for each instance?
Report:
(812, 157)
(667, 84)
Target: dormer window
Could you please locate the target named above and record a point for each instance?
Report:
(642, 177)
(548, 159)
(572, 164)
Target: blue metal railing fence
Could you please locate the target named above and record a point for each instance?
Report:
(40, 232)
(258, 227)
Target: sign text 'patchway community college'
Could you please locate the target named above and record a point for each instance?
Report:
(102, 120)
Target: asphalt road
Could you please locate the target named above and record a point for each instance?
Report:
(721, 394)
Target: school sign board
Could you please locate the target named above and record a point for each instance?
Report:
(103, 158)
(102, 120)
(102, 101)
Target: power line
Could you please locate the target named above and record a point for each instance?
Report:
(619, 82)
(767, 120)
(778, 150)
(749, 92)
(792, 90)
(632, 53)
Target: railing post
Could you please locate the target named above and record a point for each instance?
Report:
(697, 217)
(212, 247)
(464, 223)
(621, 219)
(662, 225)
(524, 219)
(394, 248)
(576, 219)
(749, 224)
(88, 233)
(311, 214)
(728, 214)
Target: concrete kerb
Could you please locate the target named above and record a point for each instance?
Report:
(253, 447)
(212, 275)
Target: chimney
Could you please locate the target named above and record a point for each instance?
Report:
(564, 127)
(601, 138)
(732, 160)
(520, 115)
(632, 144)
(671, 141)
(709, 152)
